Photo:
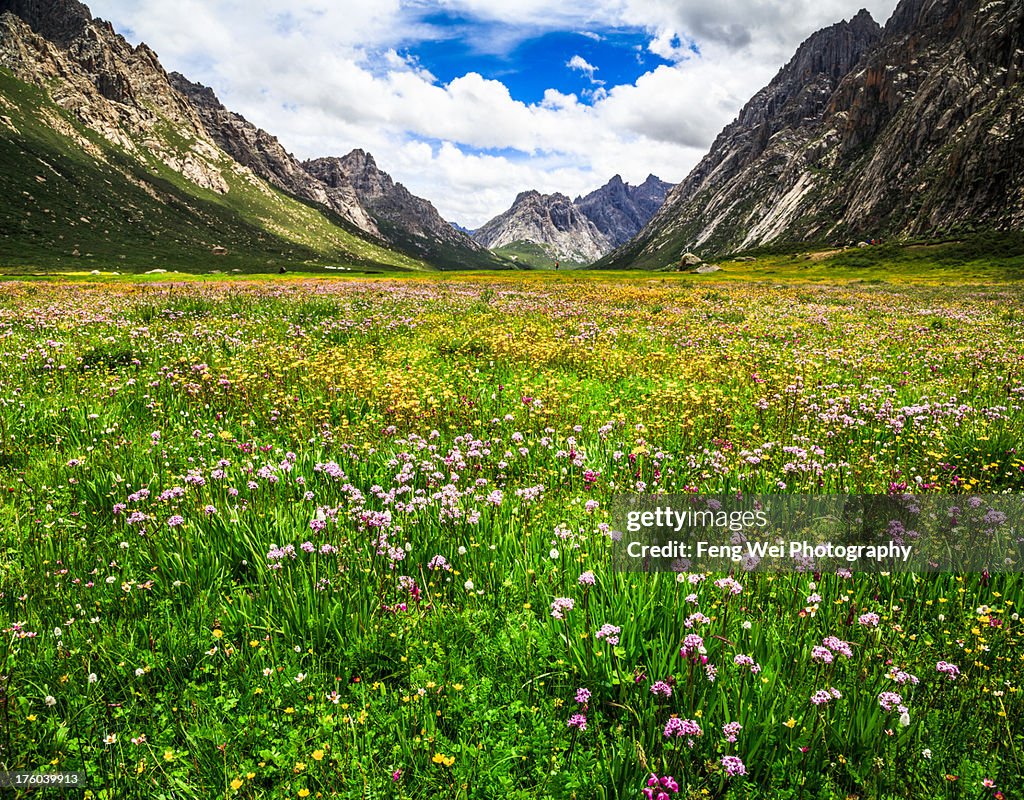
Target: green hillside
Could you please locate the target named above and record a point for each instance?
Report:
(530, 255)
(78, 193)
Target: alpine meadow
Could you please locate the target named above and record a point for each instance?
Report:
(307, 492)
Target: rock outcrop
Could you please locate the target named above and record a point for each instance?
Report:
(119, 91)
(100, 143)
(403, 219)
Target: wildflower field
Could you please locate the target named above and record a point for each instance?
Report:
(351, 538)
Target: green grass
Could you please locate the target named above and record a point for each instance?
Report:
(993, 257)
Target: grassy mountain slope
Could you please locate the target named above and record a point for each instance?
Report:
(66, 189)
(530, 255)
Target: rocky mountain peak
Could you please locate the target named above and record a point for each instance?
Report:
(619, 210)
(404, 219)
(119, 91)
(262, 153)
(527, 196)
(359, 161)
(551, 221)
(913, 15)
(96, 78)
(835, 50)
(802, 87)
(58, 21)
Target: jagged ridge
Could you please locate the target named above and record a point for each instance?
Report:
(547, 228)
(106, 124)
(619, 210)
(404, 220)
(261, 152)
(167, 123)
(743, 178)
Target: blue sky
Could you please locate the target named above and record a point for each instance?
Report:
(469, 102)
(574, 62)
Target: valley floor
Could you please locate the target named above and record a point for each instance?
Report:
(297, 537)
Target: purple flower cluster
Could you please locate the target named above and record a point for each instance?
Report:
(661, 689)
(742, 660)
(824, 696)
(610, 633)
(890, 701)
(692, 645)
(837, 645)
(658, 788)
(902, 677)
(561, 605)
(733, 766)
(682, 727)
(729, 584)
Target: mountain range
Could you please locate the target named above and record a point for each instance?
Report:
(539, 228)
(542, 230)
(908, 131)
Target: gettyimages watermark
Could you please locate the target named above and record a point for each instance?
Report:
(861, 533)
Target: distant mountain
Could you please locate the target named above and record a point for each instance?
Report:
(405, 221)
(910, 131)
(107, 163)
(619, 210)
(551, 222)
(540, 229)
